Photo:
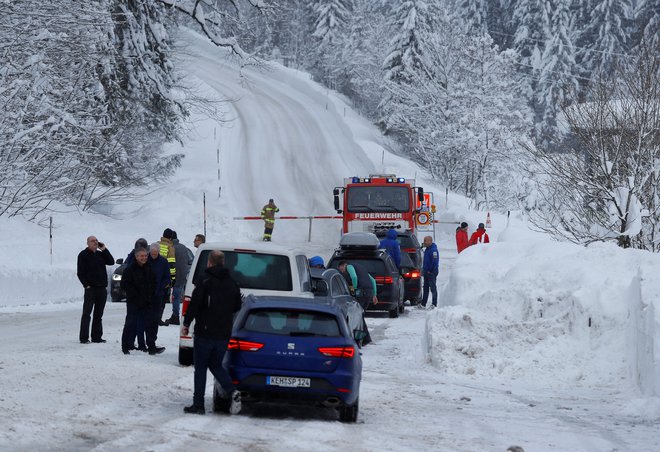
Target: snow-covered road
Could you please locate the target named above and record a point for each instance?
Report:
(58, 394)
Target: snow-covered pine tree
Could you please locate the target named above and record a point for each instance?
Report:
(358, 68)
(403, 56)
(528, 37)
(291, 25)
(331, 18)
(557, 72)
(137, 77)
(475, 15)
(604, 36)
(645, 22)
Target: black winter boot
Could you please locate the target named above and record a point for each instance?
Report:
(174, 320)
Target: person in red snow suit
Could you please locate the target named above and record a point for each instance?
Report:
(479, 236)
(461, 237)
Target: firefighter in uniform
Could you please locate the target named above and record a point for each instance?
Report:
(168, 252)
(268, 215)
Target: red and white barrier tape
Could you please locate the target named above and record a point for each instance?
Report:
(316, 217)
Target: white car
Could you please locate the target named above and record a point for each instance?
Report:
(259, 269)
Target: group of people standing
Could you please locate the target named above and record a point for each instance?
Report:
(153, 271)
(153, 275)
(478, 236)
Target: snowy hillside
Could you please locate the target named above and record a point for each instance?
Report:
(525, 321)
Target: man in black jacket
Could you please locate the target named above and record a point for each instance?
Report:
(139, 283)
(212, 306)
(94, 278)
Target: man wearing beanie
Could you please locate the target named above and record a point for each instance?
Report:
(479, 236)
(316, 262)
(461, 237)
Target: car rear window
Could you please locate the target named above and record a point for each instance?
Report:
(406, 261)
(292, 323)
(252, 270)
(407, 242)
(373, 266)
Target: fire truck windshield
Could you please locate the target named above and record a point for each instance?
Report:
(378, 199)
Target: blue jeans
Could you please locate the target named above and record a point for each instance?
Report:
(177, 296)
(429, 283)
(208, 354)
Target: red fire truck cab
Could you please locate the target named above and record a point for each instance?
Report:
(380, 201)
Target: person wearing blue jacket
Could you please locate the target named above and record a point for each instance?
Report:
(430, 269)
(391, 245)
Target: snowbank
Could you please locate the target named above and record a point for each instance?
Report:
(528, 308)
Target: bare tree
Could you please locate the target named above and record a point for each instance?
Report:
(604, 185)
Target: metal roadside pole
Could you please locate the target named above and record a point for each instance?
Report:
(50, 240)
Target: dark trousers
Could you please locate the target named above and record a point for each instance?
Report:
(140, 321)
(151, 319)
(141, 328)
(163, 302)
(133, 313)
(94, 301)
(429, 283)
(365, 297)
(208, 355)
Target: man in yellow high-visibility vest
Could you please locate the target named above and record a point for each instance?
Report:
(168, 252)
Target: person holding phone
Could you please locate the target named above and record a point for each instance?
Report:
(94, 278)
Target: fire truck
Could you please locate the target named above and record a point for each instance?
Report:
(380, 201)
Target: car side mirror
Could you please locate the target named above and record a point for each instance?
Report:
(119, 261)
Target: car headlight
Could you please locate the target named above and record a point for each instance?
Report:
(116, 277)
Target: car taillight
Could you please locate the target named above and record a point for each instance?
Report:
(409, 250)
(383, 279)
(414, 274)
(244, 346)
(338, 352)
(184, 306)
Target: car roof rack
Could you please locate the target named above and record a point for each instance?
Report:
(359, 240)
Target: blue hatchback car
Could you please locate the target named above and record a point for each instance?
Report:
(294, 350)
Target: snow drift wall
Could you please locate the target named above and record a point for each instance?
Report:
(540, 309)
(641, 337)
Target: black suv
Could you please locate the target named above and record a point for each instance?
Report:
(411, 263)
(379, 264)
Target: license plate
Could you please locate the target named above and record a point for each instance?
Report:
(289, 382)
